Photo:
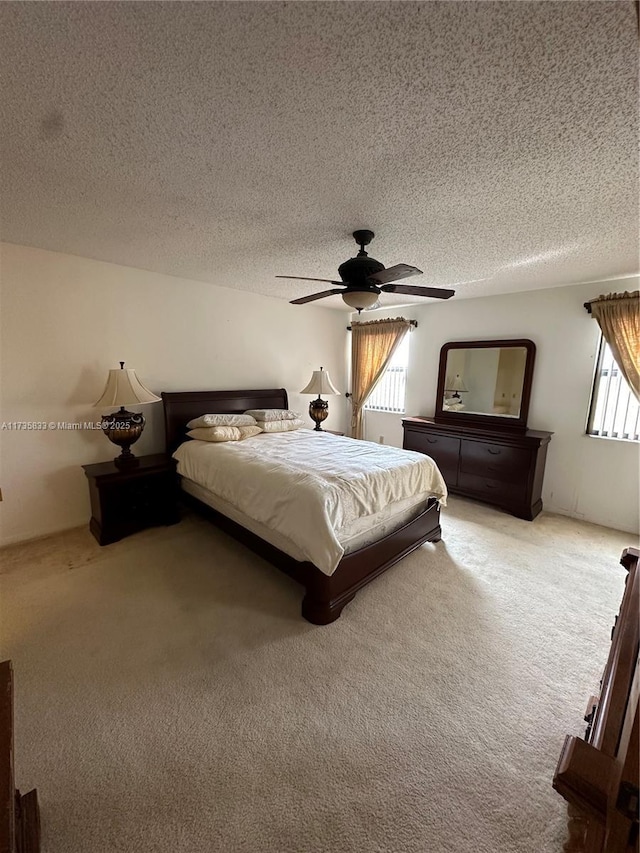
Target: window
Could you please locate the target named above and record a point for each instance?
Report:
(615, 412)
(388, 395)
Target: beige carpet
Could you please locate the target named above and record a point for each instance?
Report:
(171, 699)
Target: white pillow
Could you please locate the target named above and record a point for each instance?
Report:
(281, 426)
(221, 420)
(273, 414)
(224, 433)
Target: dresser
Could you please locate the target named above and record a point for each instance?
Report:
(498, 466)
(598, 775)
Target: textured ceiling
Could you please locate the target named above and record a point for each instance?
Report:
(228, 142)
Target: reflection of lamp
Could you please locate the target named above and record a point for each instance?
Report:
(455, 387)
(122, 427)
(320, 384)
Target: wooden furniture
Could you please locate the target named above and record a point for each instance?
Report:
(504, 468)
(125, 500)
(598, 776)
(324, 596)
(19, 814)
(485, 451)
(332, 431)
(485, 383)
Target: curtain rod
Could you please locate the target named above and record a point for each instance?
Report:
(587, 306)
(413, 323)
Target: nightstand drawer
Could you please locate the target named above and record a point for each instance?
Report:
(494, 461)
(142, 501)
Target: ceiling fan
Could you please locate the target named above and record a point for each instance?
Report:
(364, 279)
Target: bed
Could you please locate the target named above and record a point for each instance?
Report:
(326, 594)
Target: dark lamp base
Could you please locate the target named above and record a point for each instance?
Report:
(124, 428)
(318, 411)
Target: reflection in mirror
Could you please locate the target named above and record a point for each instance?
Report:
(485, 381)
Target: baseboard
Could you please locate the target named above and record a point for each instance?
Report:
(20, 539)
(610, 524)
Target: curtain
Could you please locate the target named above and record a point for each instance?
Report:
(372, 347)
(618, 315)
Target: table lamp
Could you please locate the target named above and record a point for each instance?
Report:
(320, 384)
(124, 428)
(456, 387)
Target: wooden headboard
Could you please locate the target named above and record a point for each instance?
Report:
(182, 406)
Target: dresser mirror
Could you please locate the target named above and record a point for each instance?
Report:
(485, 382)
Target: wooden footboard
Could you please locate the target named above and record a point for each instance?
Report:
(325, 596)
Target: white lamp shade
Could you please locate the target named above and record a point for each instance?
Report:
(320, 384)
(360, 300)
(123, 388)
(457, 384)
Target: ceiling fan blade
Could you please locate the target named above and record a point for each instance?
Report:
(414, 290)
(303, 278)
(394, 273)
(315, 296)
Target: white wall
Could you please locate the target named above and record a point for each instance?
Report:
(66, 320)
(590, 478)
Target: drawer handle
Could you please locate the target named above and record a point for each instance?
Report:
(490, 486)
(432, 440)
(494, 452)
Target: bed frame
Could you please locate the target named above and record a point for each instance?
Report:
(324, 596)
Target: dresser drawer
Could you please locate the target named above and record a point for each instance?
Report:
(495, 461)
(491, 490)
(443, 449)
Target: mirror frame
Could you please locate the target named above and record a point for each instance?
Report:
(494, 421)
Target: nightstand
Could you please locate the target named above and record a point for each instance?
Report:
(124, 501)
(331, 431)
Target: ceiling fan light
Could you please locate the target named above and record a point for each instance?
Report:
(360, 300)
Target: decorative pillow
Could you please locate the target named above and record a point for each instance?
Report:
(273, 414)
(224, 433)
(221, 420)
(281, 426)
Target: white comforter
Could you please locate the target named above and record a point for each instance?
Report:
(307, 485)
